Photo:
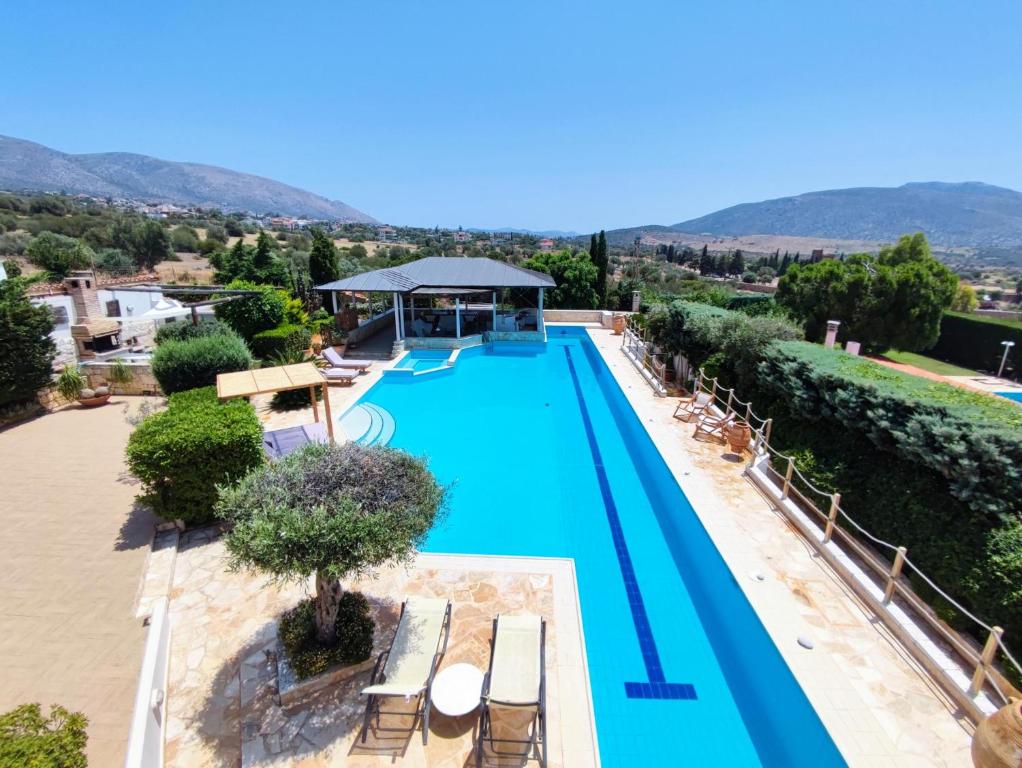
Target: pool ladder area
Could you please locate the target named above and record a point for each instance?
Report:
(368, 424)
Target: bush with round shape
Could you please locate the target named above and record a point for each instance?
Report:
(181, 365)
(252, 314)
(336, 511)
(287, 340)
(182, 330)
(182, 454)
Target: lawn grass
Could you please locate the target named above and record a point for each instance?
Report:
(928, 364)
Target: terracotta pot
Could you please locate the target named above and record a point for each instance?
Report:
(997, 742)
(92, 402)
(738, 435)
(619, 324)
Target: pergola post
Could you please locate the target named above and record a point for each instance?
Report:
(326, 411)
(457, 316)
(315, 408)
(333, 302)
(401, 312)
(539, 316)
(494, 311)
(411, 301)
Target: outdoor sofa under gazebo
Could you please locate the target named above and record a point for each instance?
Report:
(283, 378)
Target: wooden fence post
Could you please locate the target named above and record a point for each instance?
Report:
(835, 502)
(766, 429)
(730, 398)
(748, 414)
(985, 660)
(787, 478)
(899, 561)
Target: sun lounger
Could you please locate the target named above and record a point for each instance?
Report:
(336, 361)
(343, 375)
(693, 406)
(407, 668)
(713, 427)
(516, 680)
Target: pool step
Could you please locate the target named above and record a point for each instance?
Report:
(368, 424)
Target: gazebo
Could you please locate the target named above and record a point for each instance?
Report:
(283, 378)
(448, 298)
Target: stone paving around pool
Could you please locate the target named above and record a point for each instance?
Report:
(223, 707)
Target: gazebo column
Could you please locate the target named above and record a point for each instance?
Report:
(397, 319)
(411, 302)
(539, 315)
(457, 316)
(494, 311)
(333, 302)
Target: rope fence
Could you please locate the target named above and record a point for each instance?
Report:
(882, 581)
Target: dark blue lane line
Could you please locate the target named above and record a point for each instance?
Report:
(657, 687)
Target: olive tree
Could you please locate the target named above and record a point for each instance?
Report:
(333, 511)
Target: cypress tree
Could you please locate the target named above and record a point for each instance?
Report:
(705, 262)
(323, 260)
(598, 254)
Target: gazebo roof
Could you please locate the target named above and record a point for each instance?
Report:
(265, 380)
(452, 272)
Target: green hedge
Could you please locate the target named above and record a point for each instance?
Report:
(972, 341)
(972, 439)
(181, 365)
(181, 454)
(285, 340)
(182, 331)
(252, 314)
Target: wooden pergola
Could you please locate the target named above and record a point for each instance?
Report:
(282, 378)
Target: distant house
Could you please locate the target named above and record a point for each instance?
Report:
(386, 234)
(546, 245)
(461, 236)
(283, 222)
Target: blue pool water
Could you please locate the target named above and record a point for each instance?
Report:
(547, 458)
(424, 359)
(1012, 395)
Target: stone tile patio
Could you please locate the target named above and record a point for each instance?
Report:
(880, 708)
(223, 706)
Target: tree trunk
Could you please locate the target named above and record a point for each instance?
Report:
(328, 602)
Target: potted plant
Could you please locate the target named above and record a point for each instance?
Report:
(119, 373)
(738, 434)
(71, 385)
(619, 324)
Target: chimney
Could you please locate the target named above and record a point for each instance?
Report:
(81, 286)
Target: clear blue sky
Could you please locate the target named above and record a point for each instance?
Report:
(547, 115)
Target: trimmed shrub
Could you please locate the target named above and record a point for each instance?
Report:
(284, 340)
(182, 454)
(252, 314)
(181, 365)
(182, 330)
(28, 739)
(307, 656)
(972, 439)
(974, 342)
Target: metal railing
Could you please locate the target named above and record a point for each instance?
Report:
(881, 583)
(651, 364)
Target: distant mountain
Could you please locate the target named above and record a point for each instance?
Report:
(25, 165)
(560, 233)
(970, 214)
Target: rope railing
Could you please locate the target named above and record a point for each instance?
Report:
(888, 574)
(653, 369)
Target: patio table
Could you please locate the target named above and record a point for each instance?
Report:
(457, 690)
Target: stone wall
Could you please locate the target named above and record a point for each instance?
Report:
(601, 316)
(142, 380)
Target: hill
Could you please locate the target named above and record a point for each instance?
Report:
(25, 165)
(969, 214)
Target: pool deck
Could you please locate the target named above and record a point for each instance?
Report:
(222, 700)
(878, 706)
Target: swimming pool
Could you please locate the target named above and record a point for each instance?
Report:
(549, 459)
(424, 359)
(1011, 395)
